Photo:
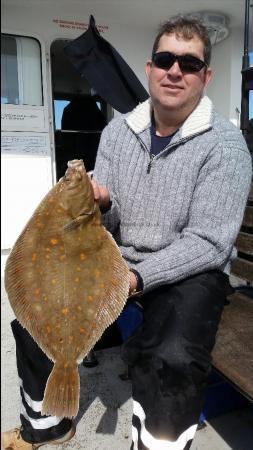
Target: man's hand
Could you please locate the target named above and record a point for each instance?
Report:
(133, 283)
(101, 194)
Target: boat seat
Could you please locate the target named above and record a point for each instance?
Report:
(233, 351)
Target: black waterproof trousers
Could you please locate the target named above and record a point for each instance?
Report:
(169, 357)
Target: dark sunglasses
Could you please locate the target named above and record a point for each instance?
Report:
(187, 63)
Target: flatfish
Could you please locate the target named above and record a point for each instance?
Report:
(66, 282)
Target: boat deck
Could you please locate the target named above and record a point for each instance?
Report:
(104, 419)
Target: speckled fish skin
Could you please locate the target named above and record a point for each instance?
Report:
(66, 282)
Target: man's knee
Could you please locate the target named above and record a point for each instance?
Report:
(176, 362)
(184, 363)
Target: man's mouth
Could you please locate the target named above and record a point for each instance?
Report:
(172, 86)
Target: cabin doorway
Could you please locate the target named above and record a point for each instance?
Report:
(79, 113)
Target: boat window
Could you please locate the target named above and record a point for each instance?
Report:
(59, 106)
(20, 71)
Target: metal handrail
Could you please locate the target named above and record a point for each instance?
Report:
(79, 131)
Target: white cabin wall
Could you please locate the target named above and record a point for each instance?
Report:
(134, 43)
(219, 87)
(225, 86)
(237, 45)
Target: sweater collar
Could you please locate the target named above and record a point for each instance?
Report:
(198, 121)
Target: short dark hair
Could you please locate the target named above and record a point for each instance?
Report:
(186, 27)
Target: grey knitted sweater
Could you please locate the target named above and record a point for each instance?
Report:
(179, 213)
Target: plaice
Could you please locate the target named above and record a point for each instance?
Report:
(66, 282)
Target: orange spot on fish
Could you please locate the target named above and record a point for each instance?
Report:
(49, 329)
(36, 291)
(78, 269)
(34, 256)
(45, 298)
(79, 308)
(48, 249)
(62, 257)
(54, 241)
(54, 281)
(83, 256)
(47, 256)
(97, 273)
(77, 279)
(66, 365)
(65, 311)
(102, 285)
(90, 298)
(82, 330)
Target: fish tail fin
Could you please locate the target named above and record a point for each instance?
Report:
(61, 397)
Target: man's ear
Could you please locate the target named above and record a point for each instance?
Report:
(208, 76)
(148, 68)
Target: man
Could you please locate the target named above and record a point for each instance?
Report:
(172, 178)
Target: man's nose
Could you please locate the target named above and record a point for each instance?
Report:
(175, 70)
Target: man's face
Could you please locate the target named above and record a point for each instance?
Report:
(172, 89)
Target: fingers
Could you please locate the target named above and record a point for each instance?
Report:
(133, 283)
(96, 190)
(101, 194)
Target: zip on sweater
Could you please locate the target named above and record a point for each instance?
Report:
(169, 147)
(150, 162)
(147, 150)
